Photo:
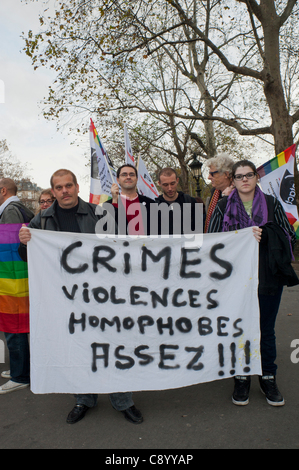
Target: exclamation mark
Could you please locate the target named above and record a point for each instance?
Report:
(247, 356)
(233, 351)
(221, 359)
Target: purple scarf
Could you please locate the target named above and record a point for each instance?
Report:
(236, 217)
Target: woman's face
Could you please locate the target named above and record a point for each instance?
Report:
(246, 184)
(46, 200)
(219, 180)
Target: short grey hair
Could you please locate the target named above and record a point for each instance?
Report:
(222, 162)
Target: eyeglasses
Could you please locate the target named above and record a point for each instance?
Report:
(212, 173)
(131, 175)
(248, 176)
(48, 201)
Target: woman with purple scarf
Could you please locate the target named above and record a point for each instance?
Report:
(248, 206)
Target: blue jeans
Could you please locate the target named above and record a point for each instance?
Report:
(19, 357)
(269, 306)
(119, 401)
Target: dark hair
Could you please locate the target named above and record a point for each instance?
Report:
(129, 165)
(243, 163)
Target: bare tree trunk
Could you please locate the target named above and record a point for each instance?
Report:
(281, 120)
(184, 176)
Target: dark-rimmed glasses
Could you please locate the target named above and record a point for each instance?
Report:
(248, 176)
(48, 201)
(131, 175)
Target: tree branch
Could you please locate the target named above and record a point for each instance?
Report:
(295, 116)
(287, 11)
(255, 7)
(230, 67)
(229, 122)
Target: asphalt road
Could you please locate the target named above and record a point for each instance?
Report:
(175, 421)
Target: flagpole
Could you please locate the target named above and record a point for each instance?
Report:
(137, 169)
(113, 181)
(138, 161)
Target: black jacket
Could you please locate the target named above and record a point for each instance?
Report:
(275, 257)
(180, 201)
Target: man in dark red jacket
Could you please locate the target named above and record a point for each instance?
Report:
(132, 210)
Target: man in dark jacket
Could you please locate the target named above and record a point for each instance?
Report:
(70, 214)
(176, 200)
(12, 211)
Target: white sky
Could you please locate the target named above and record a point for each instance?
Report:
(30, 137)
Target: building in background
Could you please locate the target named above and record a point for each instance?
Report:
(28, 193)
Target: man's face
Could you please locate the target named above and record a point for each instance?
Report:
(169, 185)
(65, 191)
(127, 178)
(219, 180)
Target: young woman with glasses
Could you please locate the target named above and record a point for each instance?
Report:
(248, 206)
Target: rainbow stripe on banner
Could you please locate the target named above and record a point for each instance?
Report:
(277, 161)
(14, 293)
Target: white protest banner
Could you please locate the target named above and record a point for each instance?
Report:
(113, 315)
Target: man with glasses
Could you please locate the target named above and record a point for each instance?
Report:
(220, 175)
(132, 210)
(12, 211)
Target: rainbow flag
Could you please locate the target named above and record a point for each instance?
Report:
(14, 293)
(277, 179)
(102, 172)
(277, 161)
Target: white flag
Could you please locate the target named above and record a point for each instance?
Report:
(145, 184)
